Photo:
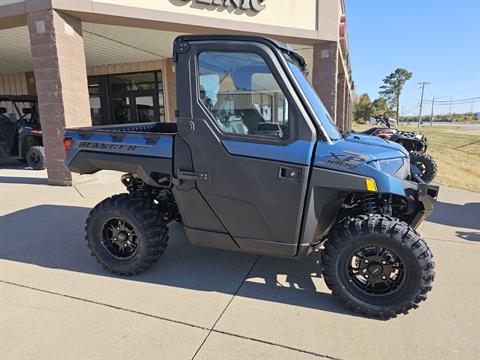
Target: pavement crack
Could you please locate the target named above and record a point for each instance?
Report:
(228, 304)
(106, 305)
(210, 330)
(275, 344)
(78, 191)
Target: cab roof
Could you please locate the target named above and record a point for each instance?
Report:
(251, 38)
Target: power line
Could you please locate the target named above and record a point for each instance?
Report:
(413, 108)
(458, 100)
(453, 103)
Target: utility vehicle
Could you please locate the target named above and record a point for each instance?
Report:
(416, 144)
(20, 132)
(254, 163)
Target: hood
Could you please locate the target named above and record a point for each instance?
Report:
(377, 141)
(351, 154)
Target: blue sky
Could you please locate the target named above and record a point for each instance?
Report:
(437, 40)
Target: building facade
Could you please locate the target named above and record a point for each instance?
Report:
(109, 61)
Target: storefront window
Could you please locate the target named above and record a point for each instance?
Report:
(126, 98)
(132, 82)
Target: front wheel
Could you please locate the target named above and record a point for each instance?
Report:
(378, 266)
(425, 164)
(126, 234)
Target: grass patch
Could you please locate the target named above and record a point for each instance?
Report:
(456, 152)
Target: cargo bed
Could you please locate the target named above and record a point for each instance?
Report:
(143, 149)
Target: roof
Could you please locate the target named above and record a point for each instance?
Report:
(252, 38)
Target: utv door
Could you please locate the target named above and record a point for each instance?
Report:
(246, 145)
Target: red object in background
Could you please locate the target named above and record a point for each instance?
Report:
(343, 25)
(67, 145)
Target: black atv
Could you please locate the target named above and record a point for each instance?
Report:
(20, 131)
(415, 144)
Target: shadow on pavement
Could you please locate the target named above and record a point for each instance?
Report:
(464, 216)
(23, 180)
(469, 235)
(53, 237)
(13, 167)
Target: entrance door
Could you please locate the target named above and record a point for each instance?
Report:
(134, 98)
(250, 154)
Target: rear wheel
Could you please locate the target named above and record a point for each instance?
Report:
(378, 266)
(126, 234)
(36, 157)
(425, 164)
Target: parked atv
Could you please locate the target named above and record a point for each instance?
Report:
(415, 144)
(20, 132)
(235, 183)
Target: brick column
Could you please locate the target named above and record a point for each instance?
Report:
(324, 74)
(58, 57)
(341, 119)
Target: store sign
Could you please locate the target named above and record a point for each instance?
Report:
(255, 5)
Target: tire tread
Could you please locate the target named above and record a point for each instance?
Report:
(399, 231)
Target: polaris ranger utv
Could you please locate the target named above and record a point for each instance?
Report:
(256, 164)
(20, 132)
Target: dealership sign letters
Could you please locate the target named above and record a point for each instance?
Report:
(255, 5)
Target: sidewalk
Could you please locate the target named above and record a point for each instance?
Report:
(56, 302)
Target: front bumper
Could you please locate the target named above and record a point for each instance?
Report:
(422, 199)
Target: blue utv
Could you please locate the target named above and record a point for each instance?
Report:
(254, 163)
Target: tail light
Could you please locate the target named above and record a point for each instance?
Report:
(67, 145)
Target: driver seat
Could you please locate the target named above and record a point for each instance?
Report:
(234, 125)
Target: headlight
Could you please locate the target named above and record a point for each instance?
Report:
(389, 166)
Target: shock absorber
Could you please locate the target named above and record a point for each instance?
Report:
(369, 203)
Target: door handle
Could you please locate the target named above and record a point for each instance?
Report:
(290, 173)
(192, 176)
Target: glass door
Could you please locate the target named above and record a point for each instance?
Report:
(145, 109)
(122, 110)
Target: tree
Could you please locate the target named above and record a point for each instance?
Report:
(362, 109)
(392, 88)
(380, 107)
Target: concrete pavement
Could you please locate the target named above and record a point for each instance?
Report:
(56, 302)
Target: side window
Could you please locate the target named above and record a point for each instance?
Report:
(242, 95)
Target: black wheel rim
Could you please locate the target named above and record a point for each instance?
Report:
(376, 270)
(34, 158)
(120, 238)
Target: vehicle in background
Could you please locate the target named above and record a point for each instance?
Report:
(20, 131)
(425, 168)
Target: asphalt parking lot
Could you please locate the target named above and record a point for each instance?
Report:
(56, 302)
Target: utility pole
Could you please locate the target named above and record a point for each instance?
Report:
(431, 116)
(421, 101)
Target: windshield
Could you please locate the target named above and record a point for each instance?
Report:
(315, 102)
